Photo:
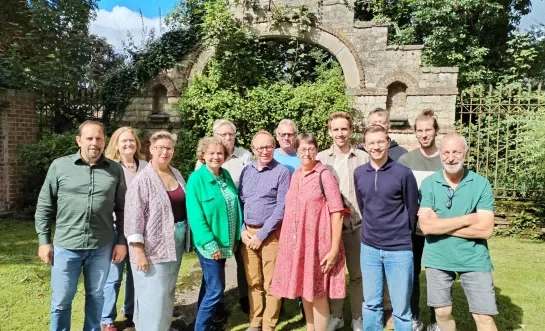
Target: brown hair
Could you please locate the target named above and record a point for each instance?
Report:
(374, 129)
(205, 142)
(380, 111)
(306, 137)
(112, 152)
(340, 114)
(91, 122)
(427, 114)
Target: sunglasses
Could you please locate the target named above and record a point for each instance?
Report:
(450, 195)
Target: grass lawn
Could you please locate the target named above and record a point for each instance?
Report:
(25, 286)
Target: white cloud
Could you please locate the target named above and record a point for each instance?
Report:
(114, 26)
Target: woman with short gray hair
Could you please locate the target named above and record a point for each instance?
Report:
(156, 230)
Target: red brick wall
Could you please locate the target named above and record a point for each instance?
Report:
(18, 126)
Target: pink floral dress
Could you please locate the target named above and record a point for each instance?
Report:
(305, 239)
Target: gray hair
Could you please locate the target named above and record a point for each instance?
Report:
(452, 135)
(162, 135)
(222, 122)
(381, 112)
(288, 122)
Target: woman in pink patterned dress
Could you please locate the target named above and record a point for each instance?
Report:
(310, 259)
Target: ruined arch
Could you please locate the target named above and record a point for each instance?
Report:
(397, 76)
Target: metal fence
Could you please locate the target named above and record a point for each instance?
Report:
(492, 120)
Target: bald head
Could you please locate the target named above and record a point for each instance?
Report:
(454, 138)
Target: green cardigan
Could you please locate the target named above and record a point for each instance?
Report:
(207, 210)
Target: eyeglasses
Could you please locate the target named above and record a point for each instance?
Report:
(303, 151)
(380, 144)
(162, 149)
(286, 135)
(264, 148)
(450, 195)
(225, 135)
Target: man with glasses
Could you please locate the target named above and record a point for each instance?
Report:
(342, 159)
(263, 187)
(286, 132)
(387, 195)
(457, 216)
(236, 161)
(423, 161)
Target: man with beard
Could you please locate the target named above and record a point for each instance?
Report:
(342, 159)
(387, 195)
(423, 161)
(286, 132)
(457, 216)
(80, 195)
(237, 159)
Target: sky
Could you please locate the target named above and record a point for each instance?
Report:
(116, 18)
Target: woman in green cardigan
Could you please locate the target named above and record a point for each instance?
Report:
(215, 219)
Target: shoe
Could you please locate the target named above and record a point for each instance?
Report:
(300, 303)
(253, 328)
(357, 325)
(388, 320)
(219, 313)
(418, 325)
(245, 305)
(334, 323)
(108, 327)
(129, 323)
(433, 327)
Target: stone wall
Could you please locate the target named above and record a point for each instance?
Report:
(18, 126)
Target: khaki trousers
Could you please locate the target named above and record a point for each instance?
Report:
(259, 268)
(352, 247)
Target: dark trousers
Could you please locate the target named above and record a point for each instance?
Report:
(418, 250)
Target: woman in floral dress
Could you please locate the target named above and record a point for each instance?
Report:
(310, 260)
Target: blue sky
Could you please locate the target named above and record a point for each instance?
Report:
(116, 18)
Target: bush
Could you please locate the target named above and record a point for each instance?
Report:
(34, 161)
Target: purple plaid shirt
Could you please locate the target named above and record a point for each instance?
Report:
(263, 194)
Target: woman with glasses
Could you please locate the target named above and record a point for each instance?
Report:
(156, 230)
(124, 147)
(215, 218)
(310, 260)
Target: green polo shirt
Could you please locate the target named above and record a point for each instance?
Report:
(447, 252)
(81, 200)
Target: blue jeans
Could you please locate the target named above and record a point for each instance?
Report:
(155, 290)
(212, 288)
(65, 272)
(111, 291)
(398, 267)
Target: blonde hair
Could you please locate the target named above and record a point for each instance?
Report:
(112, 152)
(162, 135)
(340, 114)
(203, 145)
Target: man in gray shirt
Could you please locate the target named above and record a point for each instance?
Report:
(423, 161)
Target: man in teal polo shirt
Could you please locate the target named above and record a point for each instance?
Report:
(457, 216)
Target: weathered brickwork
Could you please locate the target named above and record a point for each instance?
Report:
(18, 126)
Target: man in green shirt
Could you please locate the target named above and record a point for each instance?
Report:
(457, 216)
(80, 194)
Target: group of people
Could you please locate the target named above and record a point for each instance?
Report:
(292, 217)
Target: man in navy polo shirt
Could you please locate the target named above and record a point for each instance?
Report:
(387, 195)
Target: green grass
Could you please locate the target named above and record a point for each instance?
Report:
(25, 286)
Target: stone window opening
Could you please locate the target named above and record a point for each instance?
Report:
(396, 101)
(160, 99)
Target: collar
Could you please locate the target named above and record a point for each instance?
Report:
(268, 166)
(384, 167)
(77, 159)
(208, 175)
(331, 150)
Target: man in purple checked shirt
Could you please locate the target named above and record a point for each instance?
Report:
(262, 189)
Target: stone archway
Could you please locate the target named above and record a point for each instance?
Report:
(325, 38)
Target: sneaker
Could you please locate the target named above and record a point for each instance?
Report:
(433, 327)
(129, 323)
(245, 305)
(253, 328)
(220, 313)
(418, 325)
(357, 325)
(108, 327)
(335, 323)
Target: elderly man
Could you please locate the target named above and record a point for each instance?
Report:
(380, 116)
(286, 132)
(423, 161)
(263, 187)
(80, 194)
(342, 158)
(457, 216)
(236, 161)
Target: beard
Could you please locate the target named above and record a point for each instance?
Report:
(93, 154)
(453, 168)
(428, 143)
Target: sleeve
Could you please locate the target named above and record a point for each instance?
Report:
(119, 207)
(426, 194)
(359, 198)
(198, 165)
(486, 201)
(271, 224)
(332, 192)
(410, 198)
(202, 234)
(136, 204)
(46, 207)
